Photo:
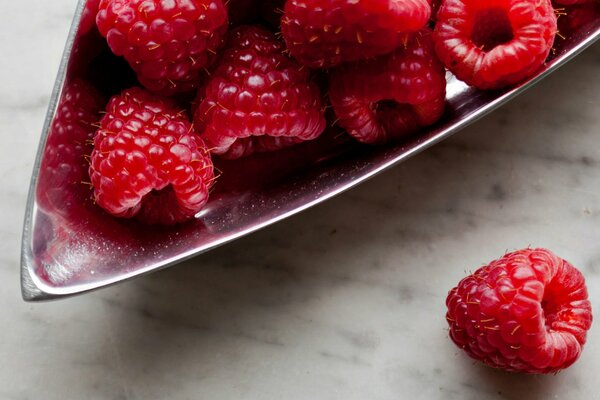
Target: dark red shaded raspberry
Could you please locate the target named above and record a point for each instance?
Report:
(242, 11)
(147, 163)
(527, 312)
(257, 98)
(435, 6)
(324, 33)
(259, 144)
(254, 11)
(392, 96)
(491, 45)
(271, 12)
(571, 2)
(167, 43)
(63, 180)
(574, 17)
(88, 16)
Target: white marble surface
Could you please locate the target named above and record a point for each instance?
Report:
(345, 301)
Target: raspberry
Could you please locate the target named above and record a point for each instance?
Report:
(392, 96)
(167, 43)
(63, 168)
(146, 162)
(257, 98)
(324, 33)
(495, 44)
(527, 311)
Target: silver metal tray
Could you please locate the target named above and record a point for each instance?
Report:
(77, 249)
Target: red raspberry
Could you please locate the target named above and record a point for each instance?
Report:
(528, 312)
(167, 43)
(494, 44)
(63, 170)
(392, 96)
(146, 162)
(257, 98)
(324, 33)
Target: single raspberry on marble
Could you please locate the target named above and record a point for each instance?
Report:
(63, 171)
(257, 98)
(147, 163)
(525, 312)
(167, 43)
(494, 44)
(325, 33)
(391, 96)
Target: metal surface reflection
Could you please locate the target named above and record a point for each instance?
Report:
(71, 246)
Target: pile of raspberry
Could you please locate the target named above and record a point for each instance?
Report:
(230, 78)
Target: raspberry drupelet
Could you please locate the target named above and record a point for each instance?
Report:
(147, 163)
(496, 43)
(325, 33)
(391, 96)
(257, 98)
(525, 312)
(167, 43)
